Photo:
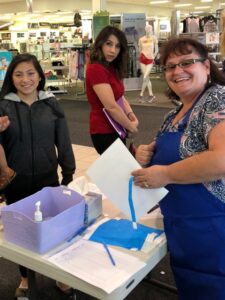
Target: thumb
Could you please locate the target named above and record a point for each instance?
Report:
(151, 146)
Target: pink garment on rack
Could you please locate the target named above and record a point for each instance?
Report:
(87, 54)
(193, 25)
(73, 64)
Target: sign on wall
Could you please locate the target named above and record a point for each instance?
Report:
(133, 25)
(5, 59)
(99, 22)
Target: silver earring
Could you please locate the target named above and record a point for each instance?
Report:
(209, 79)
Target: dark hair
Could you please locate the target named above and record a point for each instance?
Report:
(121, 61)
(8, 85)
(182, 46)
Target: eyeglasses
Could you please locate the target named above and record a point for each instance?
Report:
(183, 64)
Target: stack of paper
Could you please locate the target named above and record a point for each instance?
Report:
(89, 261)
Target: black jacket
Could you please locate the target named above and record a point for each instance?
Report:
(37, 140)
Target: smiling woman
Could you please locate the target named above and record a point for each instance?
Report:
(37, 129)
(26, 80)
(188, 158)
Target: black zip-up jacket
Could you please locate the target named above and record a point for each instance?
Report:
(37, 140)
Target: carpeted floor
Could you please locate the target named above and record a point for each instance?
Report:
(77, 114)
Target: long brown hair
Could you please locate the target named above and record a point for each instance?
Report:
(121, 61)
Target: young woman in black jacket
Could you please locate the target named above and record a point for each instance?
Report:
(37, 141)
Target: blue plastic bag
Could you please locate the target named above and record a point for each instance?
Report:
(121, 233)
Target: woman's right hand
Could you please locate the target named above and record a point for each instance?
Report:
(144, 153)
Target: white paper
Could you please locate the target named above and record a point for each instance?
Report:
(90, 262)
(80, 185)
(111, 172)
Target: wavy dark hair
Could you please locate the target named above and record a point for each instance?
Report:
(182, 46)
(8, 85)
(121, 61)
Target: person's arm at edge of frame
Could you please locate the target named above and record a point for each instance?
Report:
(205, 166)
(106, 96)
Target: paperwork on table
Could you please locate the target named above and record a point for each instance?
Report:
(111, 173)
(89, 261)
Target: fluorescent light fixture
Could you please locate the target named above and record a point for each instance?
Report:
(159, 2)
(183, 5)
(202, 7)
(6, 24)
(206, 1)
(2, 17)
(197, 12)
(222, 3)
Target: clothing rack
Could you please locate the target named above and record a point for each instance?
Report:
(80, 56)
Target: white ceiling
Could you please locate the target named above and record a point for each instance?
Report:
(13, 10)
(8, 1)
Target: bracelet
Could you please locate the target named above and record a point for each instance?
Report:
(131, 112)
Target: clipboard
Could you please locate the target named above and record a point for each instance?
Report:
(118, 128)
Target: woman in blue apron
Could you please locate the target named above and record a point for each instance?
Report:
(188, 158)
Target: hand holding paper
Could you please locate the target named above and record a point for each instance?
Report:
(153, 177)
(111, 173)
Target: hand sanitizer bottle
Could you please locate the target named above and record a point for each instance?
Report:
(38, 213)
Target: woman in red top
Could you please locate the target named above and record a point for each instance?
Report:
(104, 87)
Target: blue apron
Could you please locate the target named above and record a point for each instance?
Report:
(194, 223)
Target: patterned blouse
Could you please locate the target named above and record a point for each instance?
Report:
(207, 112)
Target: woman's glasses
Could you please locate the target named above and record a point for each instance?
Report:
(183, 64)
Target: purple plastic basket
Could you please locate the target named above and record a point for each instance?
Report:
(63, 215)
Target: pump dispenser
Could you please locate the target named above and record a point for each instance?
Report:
(38, 213)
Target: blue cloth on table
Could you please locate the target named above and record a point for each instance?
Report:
(121, 233)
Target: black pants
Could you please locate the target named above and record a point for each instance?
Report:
(102, 141)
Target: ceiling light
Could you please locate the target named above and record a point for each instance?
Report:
(159, 2)
(183, 5)
(197, 12)
(206, 0)
(202, 7)
(6, 24)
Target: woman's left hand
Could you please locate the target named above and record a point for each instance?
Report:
(151, 177)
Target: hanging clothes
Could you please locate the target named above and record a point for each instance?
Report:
(210, 24)
(73, 64)
(192, 24)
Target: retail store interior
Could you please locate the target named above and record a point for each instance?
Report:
(49, 31)
(60, 34)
